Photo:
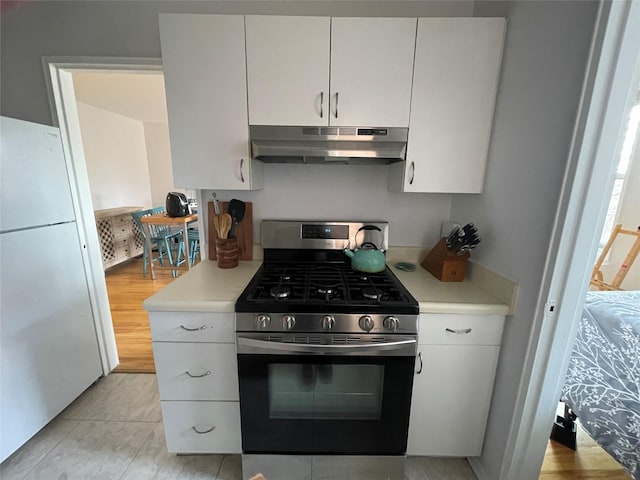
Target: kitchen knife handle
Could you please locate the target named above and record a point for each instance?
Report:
(322, 104)
(241, 165)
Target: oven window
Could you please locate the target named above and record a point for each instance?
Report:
(325, 391)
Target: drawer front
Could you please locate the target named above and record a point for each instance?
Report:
(196, 371)
(121, 242)
(122, 221)
(180, 418)
(123, 252)
(450, 329)
(192, 327)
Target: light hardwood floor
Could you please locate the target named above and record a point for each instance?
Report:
(128, 289)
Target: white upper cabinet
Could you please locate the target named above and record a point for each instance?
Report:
(455, 80)
(288, 70)
(204, 67)
(371, 71)
(322, 71)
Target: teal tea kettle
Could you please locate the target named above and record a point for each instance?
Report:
(368, 258)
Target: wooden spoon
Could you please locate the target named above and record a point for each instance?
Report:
(225, 225)
(217, 225)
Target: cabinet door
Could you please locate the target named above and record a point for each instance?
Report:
(371, 71)
(288, 70)
(450, 400)
(455, 80)
(204, 66)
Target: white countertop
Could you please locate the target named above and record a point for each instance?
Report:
(207, 288)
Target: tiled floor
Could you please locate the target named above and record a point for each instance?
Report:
(114, 432)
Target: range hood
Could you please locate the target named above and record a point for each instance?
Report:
(329, 145)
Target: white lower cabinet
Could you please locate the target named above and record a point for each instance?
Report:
(197, 373)
(453, 384)
(202, 427)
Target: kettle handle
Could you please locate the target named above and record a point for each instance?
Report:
(367, 227)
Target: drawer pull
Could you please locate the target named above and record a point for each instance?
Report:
(461, 331)
(208, 372)
(193, 329)
(202, 432)
(420, 368)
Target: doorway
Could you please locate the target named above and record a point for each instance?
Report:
(99, 90)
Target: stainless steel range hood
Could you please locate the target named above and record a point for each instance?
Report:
(330, 145)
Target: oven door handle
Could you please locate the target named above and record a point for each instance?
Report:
(254, 346)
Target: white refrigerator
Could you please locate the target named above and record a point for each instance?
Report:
(48, 347)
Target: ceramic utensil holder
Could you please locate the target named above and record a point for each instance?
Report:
(445, 265)
(228, 252)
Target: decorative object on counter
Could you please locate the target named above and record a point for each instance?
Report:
(243, 232)
(368, 258)
(405, 266)
(227, 252)
(447, 261)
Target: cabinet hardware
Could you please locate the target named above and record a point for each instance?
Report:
(413, 172)
(208, 372)
(241, 165)
(193, 329)
(336, 104)
(203, 431)
(461, 331)
(322, 104)
(420, 368)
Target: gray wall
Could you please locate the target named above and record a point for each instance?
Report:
(544, 63)
(130, 29)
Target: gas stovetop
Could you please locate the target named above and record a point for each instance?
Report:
(324, 288)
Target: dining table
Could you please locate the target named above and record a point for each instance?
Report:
(165, 220)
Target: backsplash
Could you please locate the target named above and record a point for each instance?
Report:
(343, 192)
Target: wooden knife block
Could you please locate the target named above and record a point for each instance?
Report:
(445, 265)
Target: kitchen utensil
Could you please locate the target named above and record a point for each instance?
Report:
(368, 258)
(236, 210)
(216, 224)
(225, 225)
(452, 236)
(216, 204)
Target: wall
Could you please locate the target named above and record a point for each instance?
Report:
(629, 217)
(159, 158)
(546, 50)
(130, 29)
(344, 192)
(116, 157)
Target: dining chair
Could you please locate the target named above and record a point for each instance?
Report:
(193, 237)
(161, 238)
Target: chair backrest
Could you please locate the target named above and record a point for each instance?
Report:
(156, 231)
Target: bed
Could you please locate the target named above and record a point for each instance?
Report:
(603, 381)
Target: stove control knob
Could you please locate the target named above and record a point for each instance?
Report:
(288, 321)
(328, 322)
(366, 323)
(263, 320)
(391, 323)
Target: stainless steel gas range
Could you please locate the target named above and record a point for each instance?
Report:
(325, 356)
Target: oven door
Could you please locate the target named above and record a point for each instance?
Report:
(325, 399)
